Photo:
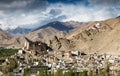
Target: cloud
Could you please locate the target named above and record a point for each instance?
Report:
(55, 11)
(105, 2)
(15, 5)
(34, 13)
(83, 13)
(20, 12)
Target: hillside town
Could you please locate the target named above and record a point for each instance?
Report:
(37, 55)
(59, 37)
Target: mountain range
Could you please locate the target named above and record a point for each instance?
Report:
(18, 34)
(96, 36)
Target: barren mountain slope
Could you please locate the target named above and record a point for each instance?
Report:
(4, 36)
(42, 33)
(15, 42)
(105, 39)
(52, 29)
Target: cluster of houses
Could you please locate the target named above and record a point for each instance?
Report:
(37, 55)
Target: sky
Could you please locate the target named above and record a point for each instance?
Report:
(35, 13)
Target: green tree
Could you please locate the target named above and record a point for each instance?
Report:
(12, 64)
(101, 73)
(91, 73)
(10, 74)
(107, 68)
(4, 53)
(26, 72)
(4, 69)
(84, 73)
(69, 73)
(58, 73)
